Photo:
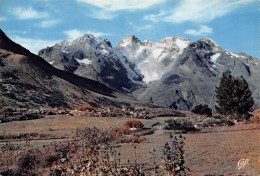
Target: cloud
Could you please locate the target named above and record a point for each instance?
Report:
(198, 10)
(74, 34)
(203, 30)
(29, 13)
(145, 27)
(155, 18)
(34, 45)
(2, 18)
(102, 14)
(48, 23)
(114, 5)
(141, 28)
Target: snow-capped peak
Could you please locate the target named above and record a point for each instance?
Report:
(131, 40)
(208, 41)
(167, 40)
(152, 60)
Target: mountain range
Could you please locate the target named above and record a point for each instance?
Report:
(173, 73)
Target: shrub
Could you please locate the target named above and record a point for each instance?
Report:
(134, 124)
(87, 108)
(124, 129)
(173, 156)
(202, 110)
(216, 122)
(176, 124)
(29, 161)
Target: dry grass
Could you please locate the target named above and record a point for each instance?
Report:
(215, 152)
(59, 126)
(255, 117)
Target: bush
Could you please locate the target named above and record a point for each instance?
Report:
(176, 124)
(134, 124)
(87, 108)
(202, 110)
(124, 129)
(216, 122)
(173, 156)
(29, 161)
(6, 109)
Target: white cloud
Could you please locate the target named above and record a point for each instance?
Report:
(202, 31)
(198, 10)
(155, 17)
(48, 23)
(29, 13)
(145, 27)
(141, 28)
(74, 34)
(114, 5)
(102, 14)
(34, 45)
(2, 18)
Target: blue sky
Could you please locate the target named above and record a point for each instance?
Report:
(36, 24)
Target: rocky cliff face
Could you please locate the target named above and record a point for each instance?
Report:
(174, 72)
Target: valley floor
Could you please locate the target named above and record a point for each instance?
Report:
(212, 151)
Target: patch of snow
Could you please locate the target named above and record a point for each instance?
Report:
(104, 51)
(235, 55)
(84, 61)
(51, 62)
(215, 57)
(127, 90)
(64, 51)
(152, 60)
(181, 43)
(151, 71)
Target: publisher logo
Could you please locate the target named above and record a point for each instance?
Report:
(241, 163)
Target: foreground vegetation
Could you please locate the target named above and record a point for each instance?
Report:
(90, 153)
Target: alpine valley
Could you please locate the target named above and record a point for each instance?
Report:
(172, 73)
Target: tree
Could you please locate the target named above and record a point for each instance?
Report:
(233, 96)
(202, 109)
(246, 101)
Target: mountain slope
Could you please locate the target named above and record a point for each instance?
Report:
(195, 73)
(91, 58)
(29, 81)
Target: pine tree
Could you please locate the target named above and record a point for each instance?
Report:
(233, 96)
(246, 101)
